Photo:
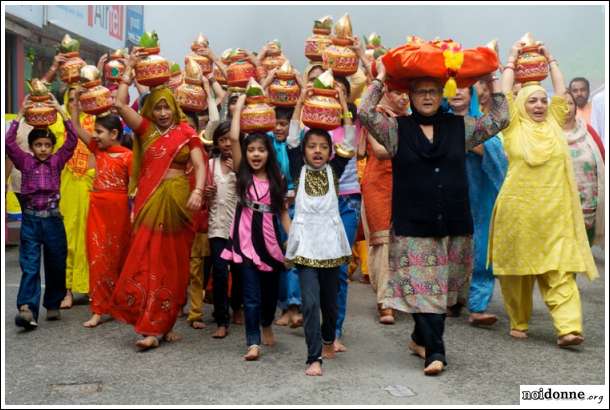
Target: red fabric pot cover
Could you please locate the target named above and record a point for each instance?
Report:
(411, 61)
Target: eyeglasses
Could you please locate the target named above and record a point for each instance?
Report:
(432, 92)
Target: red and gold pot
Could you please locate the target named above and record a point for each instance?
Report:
(153, 70)
(190, 95)
(40, 115)
(317, 43)
(97, 99)
(322, 110)
(341, 59)
(284, 91)
(200, 44)
(274, 57)
(240, 71)
(114, 69)
(69, 72)
(257, 115)
(531, 65)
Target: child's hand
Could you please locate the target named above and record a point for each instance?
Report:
(209, 191)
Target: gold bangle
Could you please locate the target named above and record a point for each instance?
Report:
(342, 152)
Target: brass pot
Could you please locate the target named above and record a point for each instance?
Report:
(69, 72)
(97, 99)
(40, 115)
(343, 61)
(257, 115)
(153, 70)
(322, 110)
(315, 45)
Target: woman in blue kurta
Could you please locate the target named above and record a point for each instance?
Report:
(485, 168)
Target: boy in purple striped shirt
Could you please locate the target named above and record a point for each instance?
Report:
(42, 223)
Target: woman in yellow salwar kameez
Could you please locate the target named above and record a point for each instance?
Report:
(537, 232)
(76, 182)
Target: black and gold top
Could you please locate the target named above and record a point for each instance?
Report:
(316, 181)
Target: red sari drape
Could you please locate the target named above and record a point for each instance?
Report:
(108, 225)
(152, 286)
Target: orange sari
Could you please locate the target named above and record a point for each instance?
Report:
(152, 287)
(108, 226)
(376, 187)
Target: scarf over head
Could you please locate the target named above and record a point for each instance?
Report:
(156, 95)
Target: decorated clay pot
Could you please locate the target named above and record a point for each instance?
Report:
(97, 99)
(191, 96)
(343, 61)
(153, 70)
(204, 62)
(257, 115)
(322, 110)
(114, 69)
(69, 72)
(274, 58)
(531, 65)
(239, 72)
(40, 115)
(315, 45)
(284, 91)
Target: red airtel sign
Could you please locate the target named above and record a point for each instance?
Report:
(107, 17)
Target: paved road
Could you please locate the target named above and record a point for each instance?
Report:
(63, 363)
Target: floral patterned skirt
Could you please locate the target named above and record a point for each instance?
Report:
(428, 274)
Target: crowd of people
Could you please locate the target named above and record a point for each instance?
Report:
(143, 207)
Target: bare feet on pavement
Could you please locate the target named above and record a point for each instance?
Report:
(171, 336)
(417, 349)
(94, 321)
(149, 342)
(67, 301)
(314, 369)
(339, 347)
(220, 333)
(197, 324)
(328, 352)
(434, 368)
(268, 337)
(518, 334)
(254, 353)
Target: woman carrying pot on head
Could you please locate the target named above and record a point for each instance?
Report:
(152, 286)
(431, 239)
(537, 231)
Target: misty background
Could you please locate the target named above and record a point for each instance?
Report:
(575, 35)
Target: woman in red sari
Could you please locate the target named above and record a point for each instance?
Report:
(108, 225)
(153, 282)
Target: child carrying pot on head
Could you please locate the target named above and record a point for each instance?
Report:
(42, 226)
